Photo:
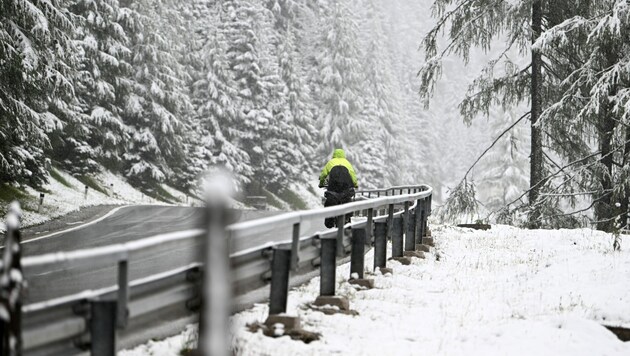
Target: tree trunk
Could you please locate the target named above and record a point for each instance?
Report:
(625, 201)
(536, 159)
(604, 210)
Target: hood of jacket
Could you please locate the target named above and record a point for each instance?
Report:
(339, 153)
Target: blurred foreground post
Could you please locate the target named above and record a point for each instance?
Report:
(11, 284)
(217, 291)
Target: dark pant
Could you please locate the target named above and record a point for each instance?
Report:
(336, 198)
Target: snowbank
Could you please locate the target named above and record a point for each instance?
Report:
(305, 192)
(500, 292)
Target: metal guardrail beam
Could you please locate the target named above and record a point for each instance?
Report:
(250, 228)
(119, 252)
(111, 253)
(52, 332)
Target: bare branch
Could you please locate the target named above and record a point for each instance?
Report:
(494, 143)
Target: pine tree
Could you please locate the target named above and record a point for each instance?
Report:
(158, 99)
(97, 133)
(340, 82)
(214, 98)
(242, 54)
(504, 81)
(298, 134)
(417, 132)
(588, 54)
(378, 110)
(503, 171)
(34, 44)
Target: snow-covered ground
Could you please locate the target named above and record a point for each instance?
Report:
(305, 192)
(501, 292)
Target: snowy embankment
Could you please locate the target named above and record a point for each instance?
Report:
(67, 194)
(505, 291)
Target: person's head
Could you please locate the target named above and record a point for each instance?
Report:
(339, 153)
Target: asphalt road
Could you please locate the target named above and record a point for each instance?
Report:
(128, 224)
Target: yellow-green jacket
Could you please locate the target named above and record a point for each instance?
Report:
(339, 159)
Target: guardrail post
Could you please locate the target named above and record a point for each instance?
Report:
(397, 237)
(280, 267)
(357, 259)
(103, 328)
(380, 247)
(424, 217)
(328, 266)
(357, 262)
(380, 244)
(295, 247)
(427, 239)
(420, 214)
(11, 284)
(217, 277)
(410, 232)
(328, 274)
(428, 209)
(369, 226)
(412, 227)
(410, 244)
(340, 228)
(398, 253)
(123, 294)
(390, 221)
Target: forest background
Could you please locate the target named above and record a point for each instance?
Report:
(160, 90)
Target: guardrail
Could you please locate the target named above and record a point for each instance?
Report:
(120, 316)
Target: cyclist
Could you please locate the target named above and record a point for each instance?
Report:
(340, 179)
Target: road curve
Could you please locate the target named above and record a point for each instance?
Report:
(127, 224)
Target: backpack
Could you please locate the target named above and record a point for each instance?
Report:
(339, 179)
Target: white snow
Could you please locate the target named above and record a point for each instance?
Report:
(168, 347)
(181, 196)
(312, 201)
(505, 291)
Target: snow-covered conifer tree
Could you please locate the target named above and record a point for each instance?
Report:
(34, 44)
(158, 101)
(213, 98)
(503, 175)
(339, 78)
(102, 82)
